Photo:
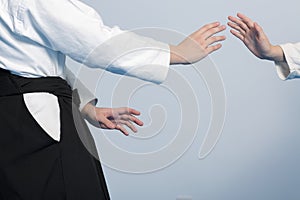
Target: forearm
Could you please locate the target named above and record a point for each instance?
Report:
(175, 57)
(275, 54)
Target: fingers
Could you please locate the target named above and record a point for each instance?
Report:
(106, 123)
(132, 119)
(243, 22)
(117, 118)
(215, 39)
(213, 48)
(128, 124)
(243, 27)
(205, 28)
(125, 110)
(205, 36)
(236, 27)
(127, 114)
(238, 34)
(118, 125)
(122, 129)
(127, 121)
(246, 20)
(117, 113)
(208, 30)
(239, 24)
(213, 31)
(133, 111)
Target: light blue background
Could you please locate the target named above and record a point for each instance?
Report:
(257, 157)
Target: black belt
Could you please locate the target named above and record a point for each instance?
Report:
(11, 84)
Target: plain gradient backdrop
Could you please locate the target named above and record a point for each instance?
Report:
(257, 156)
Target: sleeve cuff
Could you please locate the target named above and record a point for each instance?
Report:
(85, 101)
(289, 69)
(85, 96)
(134, 55)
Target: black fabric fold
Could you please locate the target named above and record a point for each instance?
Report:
(33, 166)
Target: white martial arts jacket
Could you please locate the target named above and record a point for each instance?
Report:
(37, 35)
(291, 68)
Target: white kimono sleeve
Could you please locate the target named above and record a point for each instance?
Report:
(290, 69)
(77, 30)
(84, 94)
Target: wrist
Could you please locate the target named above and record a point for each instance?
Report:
(88, 109)
(175, 57)
(276, 54)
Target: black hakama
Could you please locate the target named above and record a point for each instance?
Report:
(33, 166)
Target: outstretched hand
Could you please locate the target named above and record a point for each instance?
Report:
(198, 45)
(113, 118)
(253, 36)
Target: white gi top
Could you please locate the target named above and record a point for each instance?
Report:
(291, 68)
(37, 35)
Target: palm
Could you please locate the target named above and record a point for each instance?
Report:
(259, 45)
(251, 34)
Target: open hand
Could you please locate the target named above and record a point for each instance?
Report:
(253, 36)
(198, 45)
(113, 118)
